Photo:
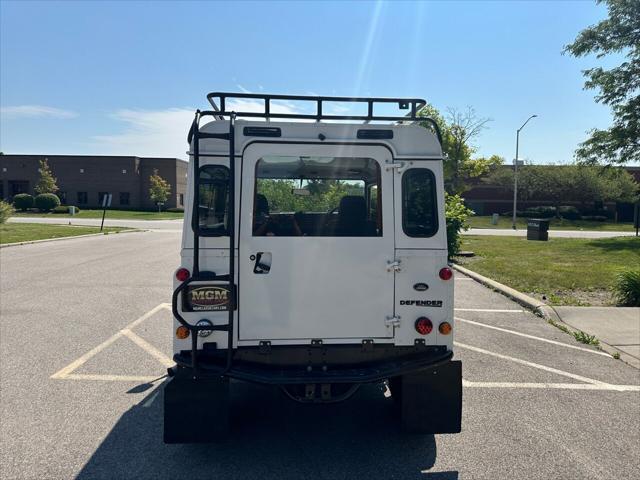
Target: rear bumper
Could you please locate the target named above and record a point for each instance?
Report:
(306, 365)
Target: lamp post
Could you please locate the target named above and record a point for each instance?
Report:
(515, 172)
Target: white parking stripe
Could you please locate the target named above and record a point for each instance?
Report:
(531, 364)
(151, 399)
(490, 310)
(66, 371)
(110, 378)
(560, 386)
(540, 339)
(150, 349)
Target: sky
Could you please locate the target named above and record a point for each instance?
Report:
(124, 78)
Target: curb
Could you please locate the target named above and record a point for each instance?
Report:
(45, 240)
(542, 310)
(538, 307)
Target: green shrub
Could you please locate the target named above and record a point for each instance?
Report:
(64, 209)
(46, 202)
(569, 212)
(23, 201)
(175, 210)
(627, 288)
(457, 214)
(6, 210)
(594, 218)
(539, 212)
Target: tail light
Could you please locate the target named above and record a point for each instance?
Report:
(445, 273)
(445, 328)
(182, 332)
(423, 326)
(182, 274)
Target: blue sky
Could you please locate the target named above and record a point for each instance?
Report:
(124, 77)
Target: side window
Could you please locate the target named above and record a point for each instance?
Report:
(419, 203)
(213, 201)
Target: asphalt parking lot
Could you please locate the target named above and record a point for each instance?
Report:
(85, 338)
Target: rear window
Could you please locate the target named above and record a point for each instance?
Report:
(419, 207)
(317, 196)
(213, 202)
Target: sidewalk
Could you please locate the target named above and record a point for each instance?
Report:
(616, 326)
(168, 225)
(522, 232)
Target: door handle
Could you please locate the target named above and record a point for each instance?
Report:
(263, 263)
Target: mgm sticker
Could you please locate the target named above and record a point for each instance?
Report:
(207, 298)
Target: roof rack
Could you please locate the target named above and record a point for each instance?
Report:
(219, 102)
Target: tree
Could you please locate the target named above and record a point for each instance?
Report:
(586, 184)
(619, 87)
(159, 189)
(458, 130)
(47, 182)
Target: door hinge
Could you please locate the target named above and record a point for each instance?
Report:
(398, 166)
(393, 321)
(393, 266)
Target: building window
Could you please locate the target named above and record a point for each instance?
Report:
(4, 169)
(82, 170)
(181, 199)
(124, 171)
(62, 196)
(101, 196)
(82, 198)
(124, 198)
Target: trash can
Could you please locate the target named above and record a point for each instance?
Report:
(537, 229)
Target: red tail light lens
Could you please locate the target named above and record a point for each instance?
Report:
(182, 274)
(446, 273)
(424, 326)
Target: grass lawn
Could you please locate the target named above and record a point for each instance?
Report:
(113, 214)
(24, 232)
(556, 224)
(568, 271)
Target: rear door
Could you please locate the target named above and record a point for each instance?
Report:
(315, 239)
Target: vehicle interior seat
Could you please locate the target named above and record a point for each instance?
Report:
(352, 218)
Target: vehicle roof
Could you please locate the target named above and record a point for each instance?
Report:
(409, 140)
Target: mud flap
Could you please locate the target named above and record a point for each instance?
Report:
(431, 399)
(196, 410)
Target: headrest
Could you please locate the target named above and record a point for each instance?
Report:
(262, 204)
(353, 206)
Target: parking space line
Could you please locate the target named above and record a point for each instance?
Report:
(533, 365)
(557, 386)
(151, 399)
(489, 310)
(110, 378)
(65, 372)
(533, 337)
(150, 349)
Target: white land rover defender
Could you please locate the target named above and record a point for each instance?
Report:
(314, 258)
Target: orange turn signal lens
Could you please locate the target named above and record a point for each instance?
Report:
(182, 332)
(445, 328)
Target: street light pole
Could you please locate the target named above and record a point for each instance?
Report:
(515, 173)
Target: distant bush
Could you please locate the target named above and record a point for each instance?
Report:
(64, 209)
(594, 218)
(23, 201)
(457, 214)
(539, 212)
(45, 202)
(6, 210)
(569, 212)
(175, 210)
(627, 288)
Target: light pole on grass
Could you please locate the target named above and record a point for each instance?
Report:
(516, 162)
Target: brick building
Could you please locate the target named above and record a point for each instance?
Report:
(83, 179)
(485, 199)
